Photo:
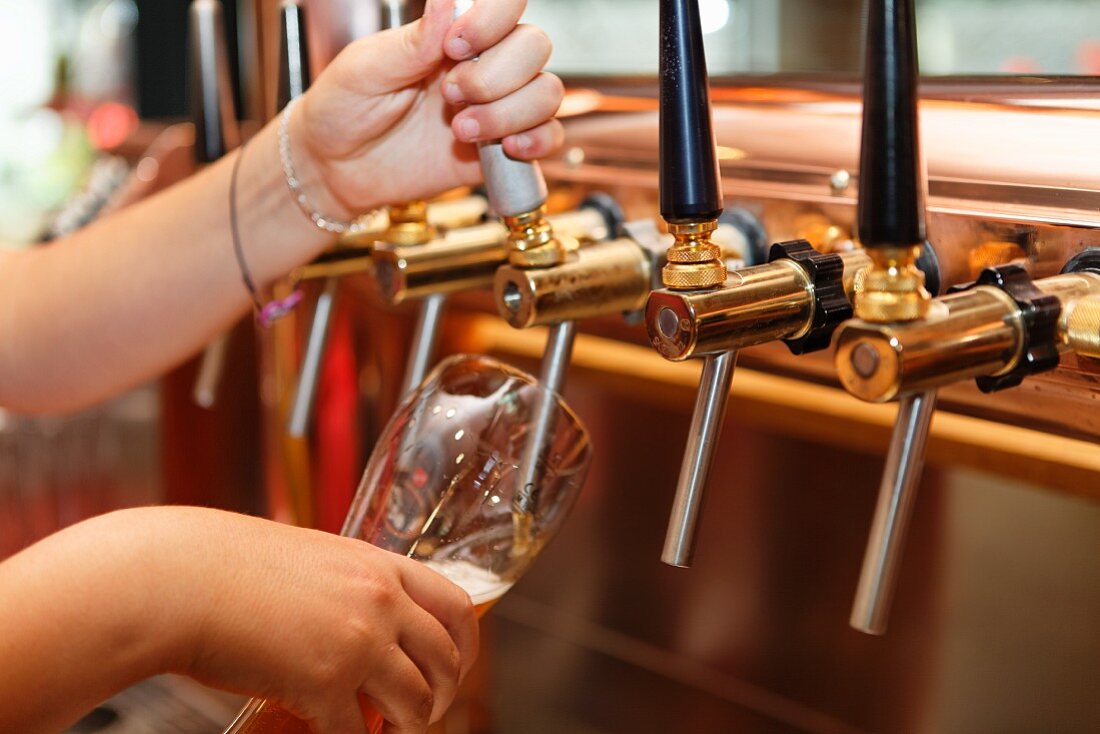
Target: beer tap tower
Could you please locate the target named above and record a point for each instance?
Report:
(216, 134)
(799, 296)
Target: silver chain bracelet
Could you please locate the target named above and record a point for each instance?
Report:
(329, 224)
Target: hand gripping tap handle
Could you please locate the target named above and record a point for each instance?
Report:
(216, 134)
(515, 187)
(691, 193)
(891, 214)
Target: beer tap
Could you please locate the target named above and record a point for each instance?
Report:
(518, 193)
(1001, 329)
(691, 203)
(891, 224)
(216, 134)
(799, 296)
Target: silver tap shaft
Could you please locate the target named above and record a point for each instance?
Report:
(706, 430)
(301, 412)
(425, 339)
(555, 363)
(898, 490)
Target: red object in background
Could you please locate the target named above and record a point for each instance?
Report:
(110, 124)
(1020, 65)
(1088, 58)
(337, 461)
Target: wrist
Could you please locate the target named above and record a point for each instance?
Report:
(304, 163)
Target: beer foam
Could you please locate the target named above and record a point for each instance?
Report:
(482, 585)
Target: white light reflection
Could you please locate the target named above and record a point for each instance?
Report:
(714, 15)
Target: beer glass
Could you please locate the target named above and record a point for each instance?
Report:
(443, 486)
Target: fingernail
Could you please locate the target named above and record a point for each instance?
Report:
(457, 48)
(469, 129)
(452, 92)
(523, 142)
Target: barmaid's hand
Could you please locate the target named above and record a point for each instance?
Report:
(379, 125)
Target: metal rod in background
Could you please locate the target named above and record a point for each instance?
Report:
(706, 430)
(301, 412)
(898, 490)
(205, 392)
(425, 339)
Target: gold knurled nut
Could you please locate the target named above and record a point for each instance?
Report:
(893, 287)
(1082, 326)
(409, 224)
(690, 277)
(531, 241)
(694, 262)
(702, 252)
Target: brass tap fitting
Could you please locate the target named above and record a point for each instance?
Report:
(694, 261)
(786, 299)
(532, 242)
(409, 224)
(995, 332)
(893, 287)
(468, 258)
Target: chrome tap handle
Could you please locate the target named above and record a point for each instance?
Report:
(706, 430)
(514, 187)
(216, 134)
(897, 493)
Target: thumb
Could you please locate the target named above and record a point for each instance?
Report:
(406, 55)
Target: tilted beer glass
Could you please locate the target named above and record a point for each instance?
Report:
(442, 487)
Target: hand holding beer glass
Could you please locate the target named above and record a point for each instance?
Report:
(442, 488)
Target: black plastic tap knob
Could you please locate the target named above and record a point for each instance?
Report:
(294, 70)
(213, 110)
(690, 186)
(891, 171)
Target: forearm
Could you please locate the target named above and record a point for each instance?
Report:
(142, 290)
(88, 612)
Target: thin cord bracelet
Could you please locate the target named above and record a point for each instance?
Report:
(269, 313)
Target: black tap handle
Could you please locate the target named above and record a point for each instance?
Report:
(212, 106)
(294, 71)
(690, 185)
(891, 171)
